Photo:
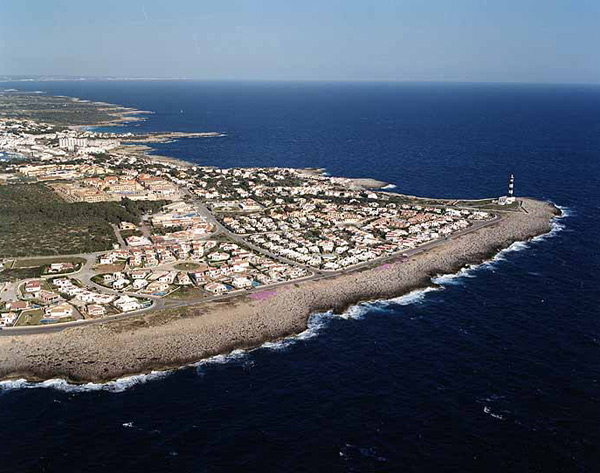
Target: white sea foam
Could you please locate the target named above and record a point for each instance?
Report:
(236, 356)
(488, 411)
(389, 186)
(116, 386)
(316, 322)
(556, 225)
(413, 297)
(221, 359)
(455, 278)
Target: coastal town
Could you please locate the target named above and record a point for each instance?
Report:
(115, 260)
(205, 233)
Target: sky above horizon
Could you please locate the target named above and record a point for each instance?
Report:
(437, 40)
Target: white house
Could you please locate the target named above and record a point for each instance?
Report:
(139, 284)
(241, 283)
(216, 288)
(59, 311)
(127, 304)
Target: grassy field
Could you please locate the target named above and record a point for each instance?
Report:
(34, 268)
(35, 221)
(20, 273)
(99, 279)
(30, 317)
(109, 268)
(187, 293)
(40, 262)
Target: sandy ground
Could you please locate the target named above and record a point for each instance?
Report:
(173, 338)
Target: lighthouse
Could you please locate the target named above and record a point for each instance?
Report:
(510, 198)
(511, 189)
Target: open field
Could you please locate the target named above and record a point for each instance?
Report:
(109, 268)
(20, 273)
(30, 317)
(36, 267)
(39, 262)
(189, 293)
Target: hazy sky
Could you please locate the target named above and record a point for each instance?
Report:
(471, 40)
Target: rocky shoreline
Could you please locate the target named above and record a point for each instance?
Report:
(176, 337)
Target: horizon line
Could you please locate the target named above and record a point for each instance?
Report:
(108, 78)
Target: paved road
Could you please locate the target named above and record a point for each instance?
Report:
(119, 237)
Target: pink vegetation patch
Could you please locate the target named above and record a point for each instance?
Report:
(261, 296)
(384, 266)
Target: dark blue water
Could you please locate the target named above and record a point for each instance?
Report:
(497, 371)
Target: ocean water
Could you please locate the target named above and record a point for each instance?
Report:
(496, 370)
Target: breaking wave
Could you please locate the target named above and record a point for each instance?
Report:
(116, 386)
(556, 225)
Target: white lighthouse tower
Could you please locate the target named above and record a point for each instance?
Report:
(510, 198)
(511, 190)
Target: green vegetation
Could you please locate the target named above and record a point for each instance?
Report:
(35, 221)
(127, 233)
(37, 262)
(20, 273)
(30, 317)
(187, 293)
(165, 230)
(313, 234)
(99, 279)
(137, 208)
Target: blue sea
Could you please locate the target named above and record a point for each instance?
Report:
(497, 370)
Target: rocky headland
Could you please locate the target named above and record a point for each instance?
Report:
(176, 337)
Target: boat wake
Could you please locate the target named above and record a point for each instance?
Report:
(316, 324)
